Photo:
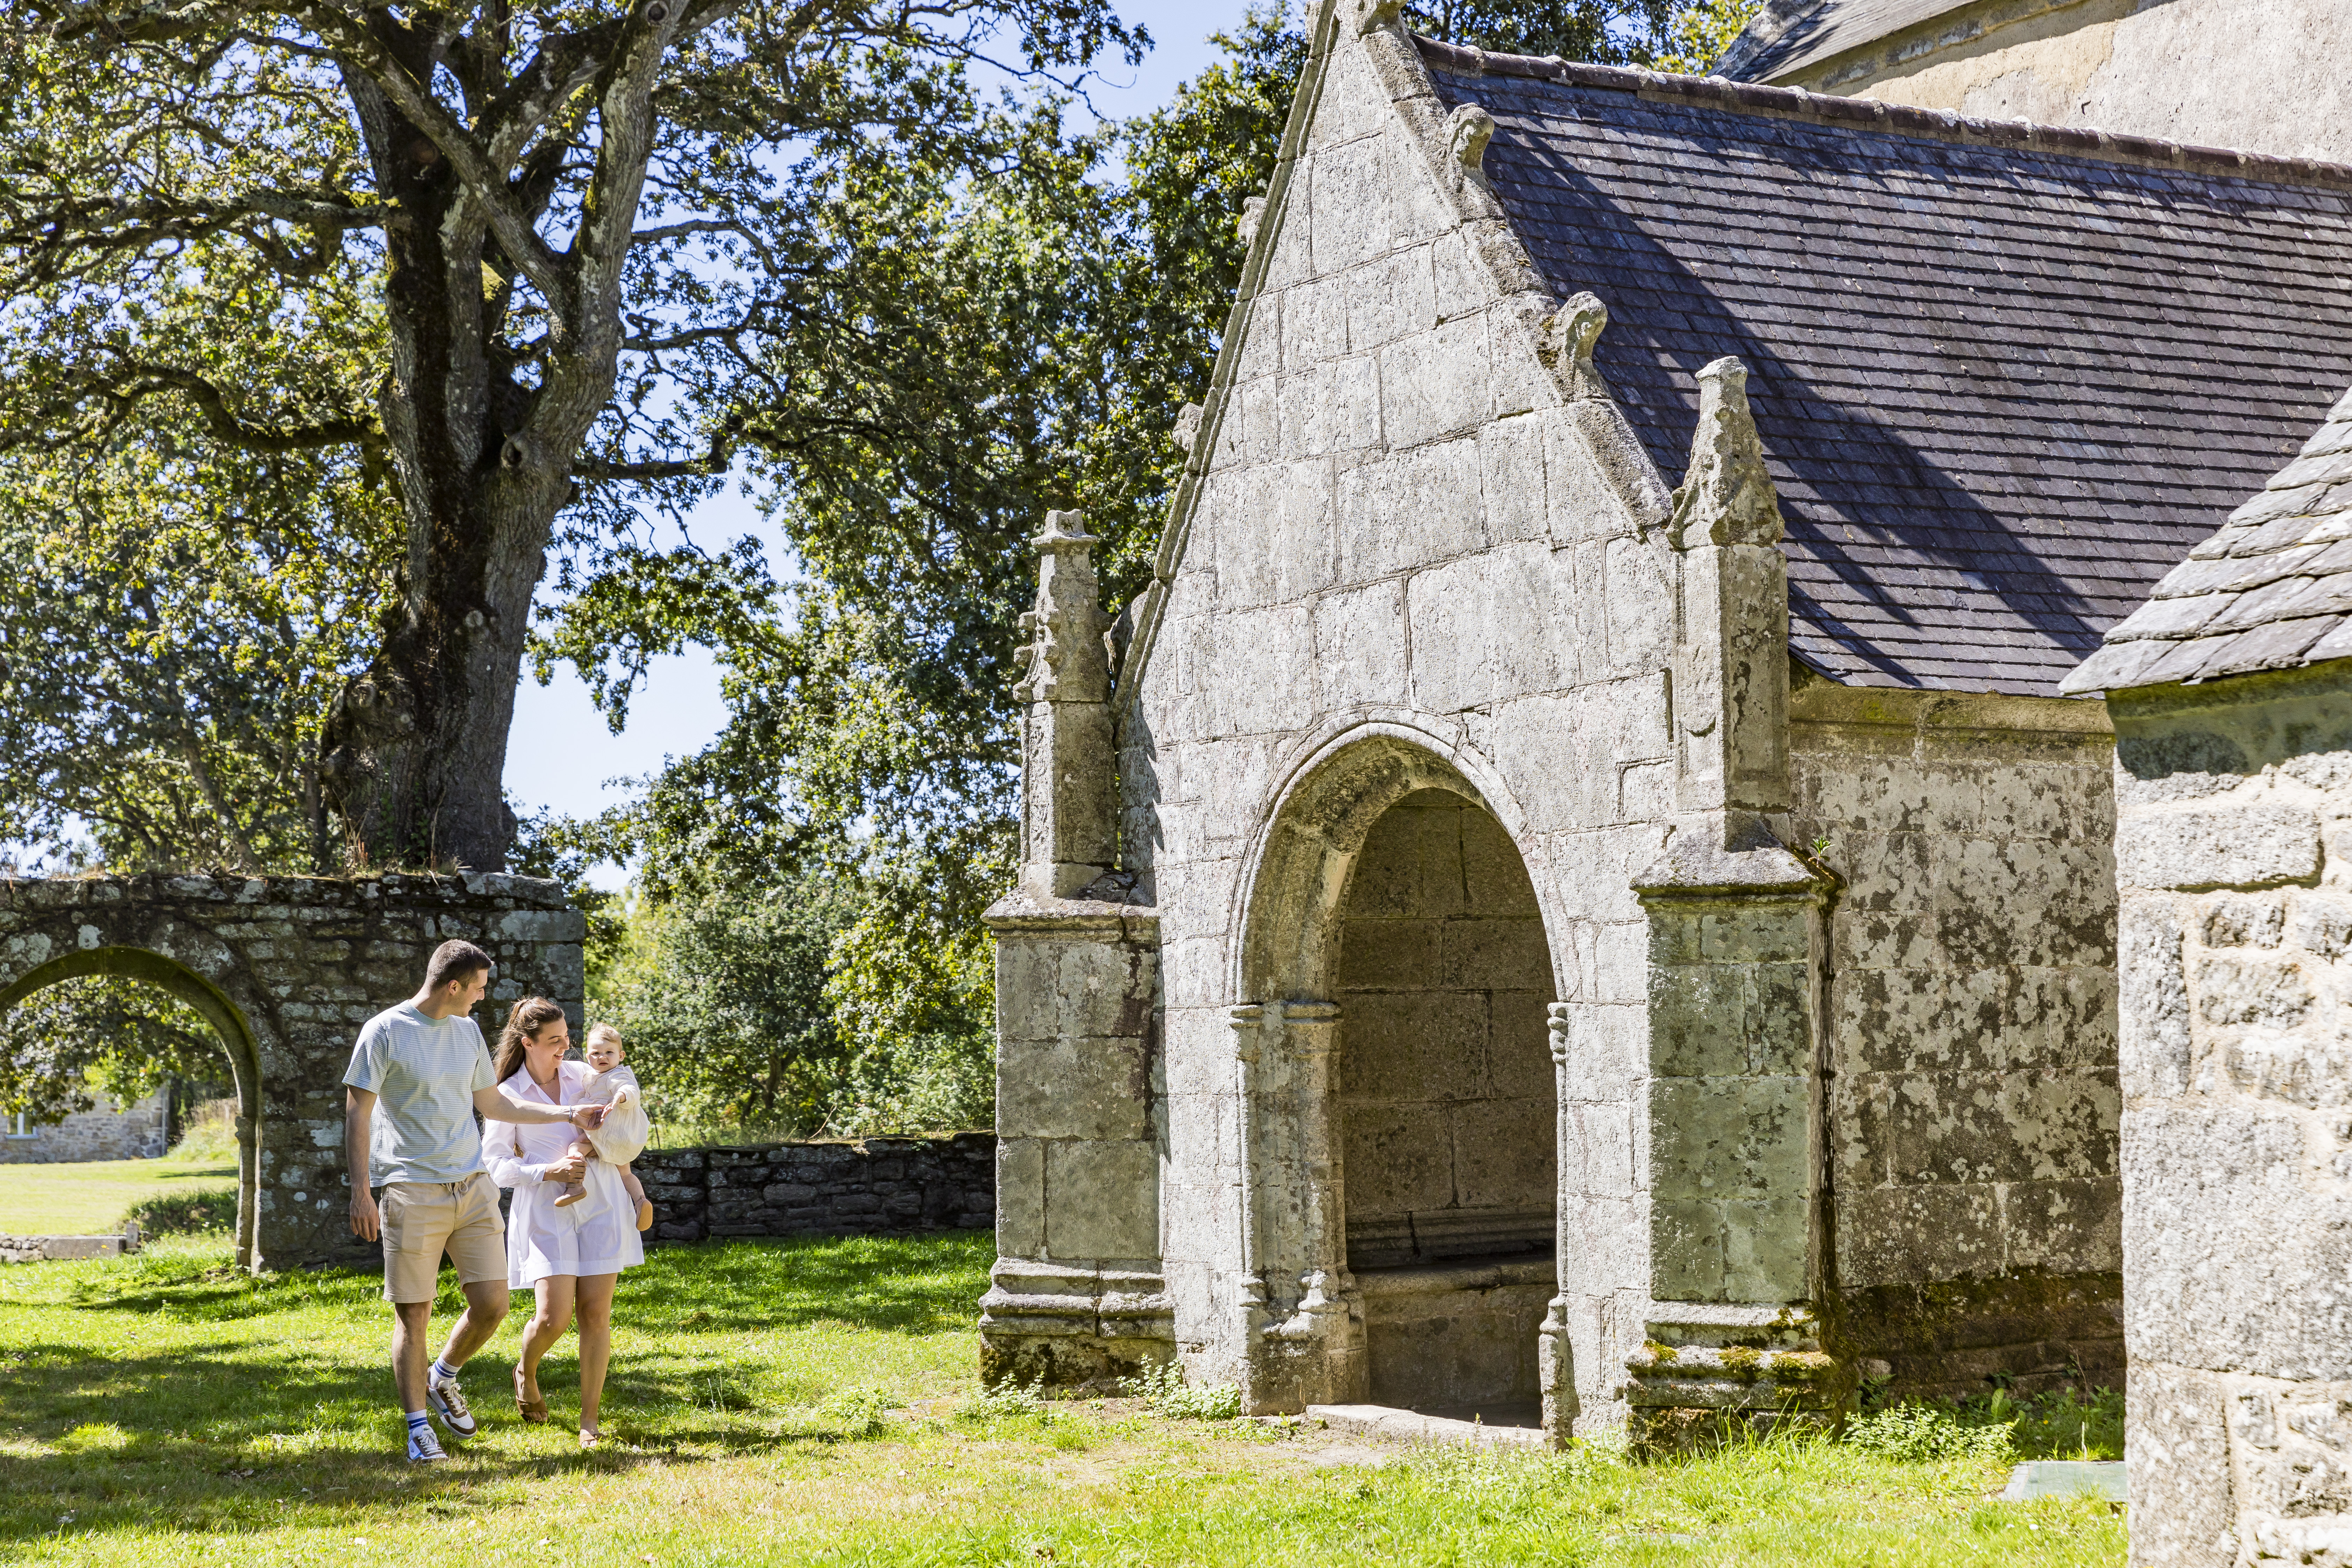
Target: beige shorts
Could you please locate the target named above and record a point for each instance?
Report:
(424, 1219)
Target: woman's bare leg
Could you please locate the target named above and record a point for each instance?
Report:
(595, 1294)
(547, 1324)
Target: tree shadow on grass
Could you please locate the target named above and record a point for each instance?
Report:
(918, 1284)
(205, 1440)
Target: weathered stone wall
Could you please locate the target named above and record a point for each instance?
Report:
(1974, 1098)
(865, 1186)
(287, 968)
(107, 1131)
(2233, 850)
(2263, 75)
(1403, 538)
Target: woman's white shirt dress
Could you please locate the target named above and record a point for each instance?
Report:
(596, 1235)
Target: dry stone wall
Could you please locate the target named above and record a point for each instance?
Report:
(2233, 848)
(1974, 1098)
(287, 968)
(867, 1186)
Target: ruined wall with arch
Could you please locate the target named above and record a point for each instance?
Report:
(286, 969)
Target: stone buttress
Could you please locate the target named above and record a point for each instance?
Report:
(1076, 1296)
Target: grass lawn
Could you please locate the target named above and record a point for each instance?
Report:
(813, 1402)
(90, 1197)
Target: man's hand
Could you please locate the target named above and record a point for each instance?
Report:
(587, 1117)
(365, 1225)
(571, 1168)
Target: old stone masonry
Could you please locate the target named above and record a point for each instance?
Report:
(286, 969)
(1576, 895)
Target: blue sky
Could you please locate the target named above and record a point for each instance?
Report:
(560, 753)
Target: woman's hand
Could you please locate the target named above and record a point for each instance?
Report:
(570, 1168)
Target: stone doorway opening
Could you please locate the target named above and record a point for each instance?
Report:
(1444, 1096)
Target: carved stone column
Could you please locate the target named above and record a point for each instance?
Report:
(1068, 761)
(1311, 1348)
(1737, 961)
(1555, 1356)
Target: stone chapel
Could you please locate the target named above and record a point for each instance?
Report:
(1575, 897)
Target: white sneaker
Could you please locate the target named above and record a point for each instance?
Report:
(447, 1402)
(424, 1448)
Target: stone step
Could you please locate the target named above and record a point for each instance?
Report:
(1396, 1426)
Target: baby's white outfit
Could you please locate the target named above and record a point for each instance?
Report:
(621, 1137)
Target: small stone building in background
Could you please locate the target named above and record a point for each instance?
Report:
(1574, 896)
(107, 1130)
(2231, 691)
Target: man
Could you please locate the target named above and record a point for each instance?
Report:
(424, 1064)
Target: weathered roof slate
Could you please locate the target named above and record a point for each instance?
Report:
(2271, 589)
(2003, 386)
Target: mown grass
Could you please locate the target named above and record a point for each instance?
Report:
(92, 1197)
(807, 1403)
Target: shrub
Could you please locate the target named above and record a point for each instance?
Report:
(1164, 1391)
(1924, 1434)
(184, 1214)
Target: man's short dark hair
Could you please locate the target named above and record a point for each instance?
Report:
(455, 960)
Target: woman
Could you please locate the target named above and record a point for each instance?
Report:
(571, 1257)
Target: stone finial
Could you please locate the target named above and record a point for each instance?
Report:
(1468, 131)
(1064, 661)
(1730, 691)
(1253, 215)
(1728, 495)
(1570, 335)
(1188, 427)
(1370, 15)
(1067, 789)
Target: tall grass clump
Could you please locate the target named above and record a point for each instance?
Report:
(1165, 1392)
(1926, 1433)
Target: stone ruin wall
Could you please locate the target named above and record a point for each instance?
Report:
(301, 963)
(2233, 851)
(862, 1186)
(1974, 1106)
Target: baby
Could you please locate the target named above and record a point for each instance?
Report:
(622, 1132)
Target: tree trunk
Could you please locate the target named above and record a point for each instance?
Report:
(415, 752)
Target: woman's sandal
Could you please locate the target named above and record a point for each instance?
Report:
(588, 1440)
(529, 1409)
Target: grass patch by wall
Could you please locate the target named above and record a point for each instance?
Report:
(93, 1198)
(815, 1402)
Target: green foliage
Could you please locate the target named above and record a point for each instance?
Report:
(720, 1002)
(1698, 33)
(1006, 1402)
(184, 1214)
(67, 1042)
(1165, 1392)
(1926, 1433)
(2058, 1424)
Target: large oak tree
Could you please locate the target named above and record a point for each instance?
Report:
(496, 248)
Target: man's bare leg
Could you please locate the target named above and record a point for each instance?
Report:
(410, 1321)
(486, 1308)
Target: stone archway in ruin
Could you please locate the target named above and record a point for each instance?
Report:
(228, 1025)
(286, 969)
(1399, 1163)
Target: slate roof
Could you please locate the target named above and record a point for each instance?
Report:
(2270, 590)
(1789, 35)
(2006, 377)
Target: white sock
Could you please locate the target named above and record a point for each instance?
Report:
(443, 1370)
(417, 1421)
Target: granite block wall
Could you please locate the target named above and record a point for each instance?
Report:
(2233, 850)
(867, 1186)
